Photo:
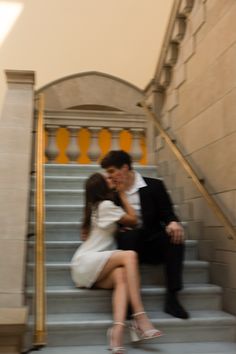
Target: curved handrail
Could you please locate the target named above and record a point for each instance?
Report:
(211, 202)
(40, 297)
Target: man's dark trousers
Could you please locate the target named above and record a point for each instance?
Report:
(155, 248)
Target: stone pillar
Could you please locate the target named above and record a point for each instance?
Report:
(136, 151)
(115, 138)
(93, 151)
(72, 151)
(52, 150)
(155, 101)
(16, 126)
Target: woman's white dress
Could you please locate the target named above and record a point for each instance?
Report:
(90, 258)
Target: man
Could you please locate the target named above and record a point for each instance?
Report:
(159, 237)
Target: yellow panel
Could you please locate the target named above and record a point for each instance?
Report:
(62, 141)
(83, 142)
(104, 142)
(125, 140)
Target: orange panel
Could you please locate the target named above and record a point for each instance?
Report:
(62, 141)
(104, 142)
(83, 142)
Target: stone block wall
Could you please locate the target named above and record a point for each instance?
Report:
(16, 125)
(199, 111)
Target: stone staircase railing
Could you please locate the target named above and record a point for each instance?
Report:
(94, 122)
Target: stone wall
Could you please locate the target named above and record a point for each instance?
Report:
(199, 110)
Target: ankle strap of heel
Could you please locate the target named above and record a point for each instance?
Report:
(138, 313)
(119, 323)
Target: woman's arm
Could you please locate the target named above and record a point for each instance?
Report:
(130, 218)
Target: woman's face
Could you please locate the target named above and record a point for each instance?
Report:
(109, 181)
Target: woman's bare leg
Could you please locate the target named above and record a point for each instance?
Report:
(129, 260)
(116, 280)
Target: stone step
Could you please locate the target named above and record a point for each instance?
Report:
(147, 348)
(70, 230)
(62, 196)
(62, 182)
(65, 212)
(86, 170)
(58, 274)
(71, 329)
(62, 251)
(59, 230)
(74, 300)
(60, 212)
(76, 197)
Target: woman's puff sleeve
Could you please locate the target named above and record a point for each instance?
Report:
(108, 213)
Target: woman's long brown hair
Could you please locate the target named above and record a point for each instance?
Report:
(96, 190)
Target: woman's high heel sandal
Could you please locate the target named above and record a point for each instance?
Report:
(114, 350)
(137, 334)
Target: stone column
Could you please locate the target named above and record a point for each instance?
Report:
(16, 126)
(155, 101)
(72, 151)
(52, 150)
(93, 151)
(115, 138)
(136, 151)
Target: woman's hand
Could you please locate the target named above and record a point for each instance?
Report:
(120, 187)
(84, 234)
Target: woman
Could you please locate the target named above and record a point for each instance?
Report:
(98, 264)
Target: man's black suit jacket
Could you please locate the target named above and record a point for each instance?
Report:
(156, 206)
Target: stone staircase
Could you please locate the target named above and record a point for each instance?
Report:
(77, 319)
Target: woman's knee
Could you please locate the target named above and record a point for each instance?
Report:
(131, 256)
(119, 275)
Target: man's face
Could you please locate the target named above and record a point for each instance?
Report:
(118, 175)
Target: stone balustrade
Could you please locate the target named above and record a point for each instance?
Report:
(95, 123)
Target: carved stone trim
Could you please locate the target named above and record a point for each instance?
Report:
(186, 7)
(20, 77)
(172, 54)
(179, 30)
(165, 77)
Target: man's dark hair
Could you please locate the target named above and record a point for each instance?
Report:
(116, 158)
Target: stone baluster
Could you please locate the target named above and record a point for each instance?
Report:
(52, 150)
(115, 138)
(93, 151)
(136, 151)
(72, 151)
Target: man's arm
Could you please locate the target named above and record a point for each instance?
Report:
(173, 227)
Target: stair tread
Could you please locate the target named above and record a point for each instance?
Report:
(188, 289)
(160, 348)
(160, 318)
(192, 263)
(188, 243)
(59, 223)
(91, 166)
(58, 190)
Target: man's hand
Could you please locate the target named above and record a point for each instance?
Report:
(176, 232)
